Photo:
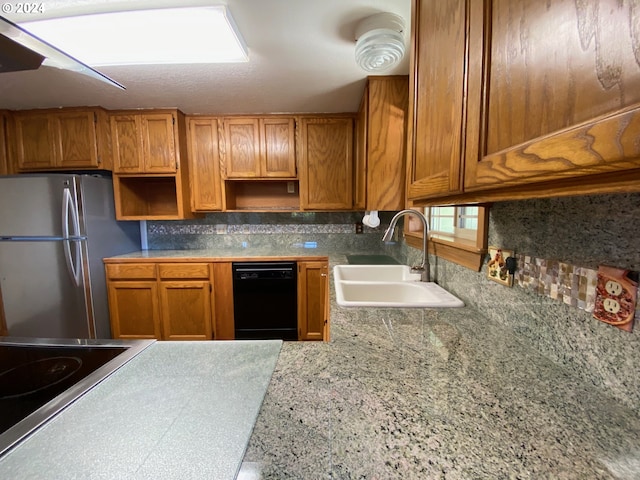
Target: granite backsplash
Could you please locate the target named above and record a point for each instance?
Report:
(325, 231)
(581, 233)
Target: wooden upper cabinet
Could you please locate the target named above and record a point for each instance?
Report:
(204, 164)
(360, 162)
(158, 139)
(62, 139)
(242, 147)
(144, 142)
(77, 139)
(326, 163)
(279, 147)
(381, 144)
(259, 147)
(437, 93)
(553, 91)
(6, 168)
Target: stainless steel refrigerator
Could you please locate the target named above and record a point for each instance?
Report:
(55, 229)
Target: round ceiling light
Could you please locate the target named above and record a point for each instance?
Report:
(380, 42)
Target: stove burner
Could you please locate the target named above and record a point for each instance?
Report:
(33, 377)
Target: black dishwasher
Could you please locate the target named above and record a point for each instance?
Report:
(265, 300)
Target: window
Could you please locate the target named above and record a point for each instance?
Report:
(456, 233)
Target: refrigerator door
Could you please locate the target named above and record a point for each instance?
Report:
(40, 297)
(32, 206)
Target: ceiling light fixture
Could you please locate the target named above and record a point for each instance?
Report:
(380, 42)
(147, 37)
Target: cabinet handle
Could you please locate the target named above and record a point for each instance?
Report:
(323, 274)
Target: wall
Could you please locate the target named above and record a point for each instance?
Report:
(581, 232)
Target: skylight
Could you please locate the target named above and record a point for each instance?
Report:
(147, 37)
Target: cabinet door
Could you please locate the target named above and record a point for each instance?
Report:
(242, 147)
(34, 141)
(77, 141)
(313, 301)
(554, 91)
(278, 143)
(5, 167)
(204, 164)
(386, 142)
(326, 165)
(360, 173)
(127, 144)
(134, 311)
(185, 307)
(437, 93)
(158, 140)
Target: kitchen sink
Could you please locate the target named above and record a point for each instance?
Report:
(388, 286)
(374, 273)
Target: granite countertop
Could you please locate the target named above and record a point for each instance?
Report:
(256, 253)
(434, 394)
(177, 410)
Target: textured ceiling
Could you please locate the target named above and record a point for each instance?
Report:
(301, 60)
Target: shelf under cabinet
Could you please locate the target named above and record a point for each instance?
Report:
(147, 197)
(267, 195)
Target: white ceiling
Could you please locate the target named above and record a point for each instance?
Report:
(301, 60)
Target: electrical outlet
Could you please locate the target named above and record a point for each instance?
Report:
(221, 229)
(616, 295)
(291, 187)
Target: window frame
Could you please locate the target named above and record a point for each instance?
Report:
(468, 252)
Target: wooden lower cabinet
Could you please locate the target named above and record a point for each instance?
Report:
(185, 310)
(134, 311)
(174, 304)
(313, 301)
(177, 301)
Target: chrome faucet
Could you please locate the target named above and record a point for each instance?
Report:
(423, 268)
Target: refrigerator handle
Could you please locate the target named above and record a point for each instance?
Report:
(70, 214)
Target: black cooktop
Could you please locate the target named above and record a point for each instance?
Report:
(31, 375)
(41, 377)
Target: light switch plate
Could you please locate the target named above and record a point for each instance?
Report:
(616, 296)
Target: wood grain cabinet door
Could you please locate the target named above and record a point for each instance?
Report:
(554, 89)
(326, 163)
(158, 140)
(437, 93)
(185, 307)
(386, 143)
(35, 138)
(278, 152)
(134, 309)
(241, 149)
(77, 139)
(126, 133)
(6, 168)
(313, 301)
(204, 164)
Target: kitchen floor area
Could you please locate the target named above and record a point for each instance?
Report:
(418, 394)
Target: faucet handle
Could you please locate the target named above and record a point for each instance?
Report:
(424, 272)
